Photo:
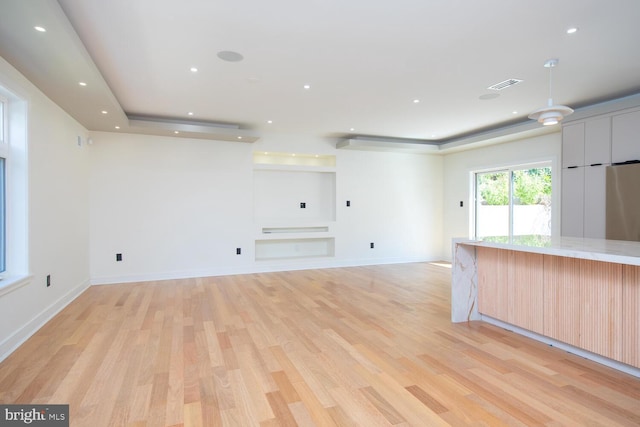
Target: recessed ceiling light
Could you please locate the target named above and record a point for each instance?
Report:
(416, 101)
(269, 121)
(190, 113)
(352, 129)
(239, 137)
(572, 30)
(193, 69)
(514, 112)
(117, 127)
(176, 132)
(41, 29)
(307, 86)
(82, 83)
(104, 112)
(230, 56)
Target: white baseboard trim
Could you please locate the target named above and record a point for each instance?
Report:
(11, 343)
(628, 369)
(257, 267)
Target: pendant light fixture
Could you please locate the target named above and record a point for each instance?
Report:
(551, 114)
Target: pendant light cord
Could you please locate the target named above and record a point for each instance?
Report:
(550, 101)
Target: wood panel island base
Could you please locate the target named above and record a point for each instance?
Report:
(581, 295)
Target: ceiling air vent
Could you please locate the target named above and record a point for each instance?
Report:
(505, 84)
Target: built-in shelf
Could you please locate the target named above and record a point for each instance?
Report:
(272, 249)
(293, 168)
(276, 230)
(293, 159)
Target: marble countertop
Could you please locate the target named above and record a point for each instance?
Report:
(616, 251)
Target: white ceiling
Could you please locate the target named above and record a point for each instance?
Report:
(366, 61)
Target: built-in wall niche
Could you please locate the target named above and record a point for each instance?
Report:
(294, 201)
(293, 159)
(274, 249)
(294, 196)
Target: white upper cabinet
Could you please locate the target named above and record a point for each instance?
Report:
(625, 142)
(586, 152)
(597, 142)
(573, 145)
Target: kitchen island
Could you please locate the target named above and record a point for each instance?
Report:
(582, 295)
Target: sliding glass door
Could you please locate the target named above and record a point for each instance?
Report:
(513, 202)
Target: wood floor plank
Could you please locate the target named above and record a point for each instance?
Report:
(359, 409)
(258, 384)
(301, 415)
(281, 410)
(289, 393)
(427, 399)
(245, 406)
(415, 412)
(211, 415)
(382, 405)
(369, 345)
(318, 412)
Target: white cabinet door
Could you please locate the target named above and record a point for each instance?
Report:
(594, 201)
(597, 141)
(625, 141)
(573, 202)
(573, 145)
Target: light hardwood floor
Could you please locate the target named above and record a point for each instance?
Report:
(361, 346)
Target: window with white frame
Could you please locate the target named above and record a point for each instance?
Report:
(513, 201)
(4, 152)
(13, 190)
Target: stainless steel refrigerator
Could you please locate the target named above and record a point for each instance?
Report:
(623, 201)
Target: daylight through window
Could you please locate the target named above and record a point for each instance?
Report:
(513, 202)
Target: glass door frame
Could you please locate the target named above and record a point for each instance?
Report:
(509, 169)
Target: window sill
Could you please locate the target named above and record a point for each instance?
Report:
(11, 283)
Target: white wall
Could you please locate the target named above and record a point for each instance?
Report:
(459, 166)
(396, 202)
(173, 207)
(58, 215)
(179, 207)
